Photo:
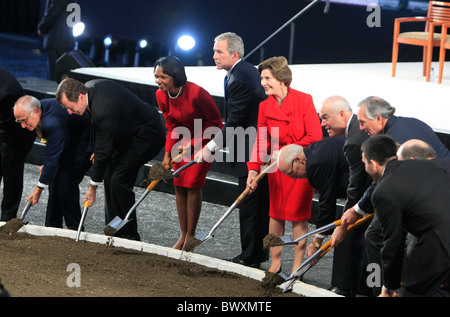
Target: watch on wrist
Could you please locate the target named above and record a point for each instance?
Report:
(316, 244)
(94, 187)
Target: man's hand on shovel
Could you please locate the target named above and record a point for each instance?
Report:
(349, 217)
(34, 197)
(90, 195)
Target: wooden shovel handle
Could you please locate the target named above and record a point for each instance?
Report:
(263, 173)
(177, 157)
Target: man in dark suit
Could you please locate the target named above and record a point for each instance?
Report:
(350, 260)
(15, 143)
(243, 93)
(69, 143)
(376, 116)
(57, 34)
(410, 196)
(324, 165)
(128, 134)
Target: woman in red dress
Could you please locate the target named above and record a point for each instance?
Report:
(288, 116)
(187, 109)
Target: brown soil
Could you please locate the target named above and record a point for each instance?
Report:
(37, 266)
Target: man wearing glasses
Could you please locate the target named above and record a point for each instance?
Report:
(69, 146)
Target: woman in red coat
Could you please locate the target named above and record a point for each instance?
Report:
(288, 116)
(187, 109)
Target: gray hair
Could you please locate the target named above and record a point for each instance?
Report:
(234, 43)
(377, 106)
(28, 103)
(288, 152)
(338, 103)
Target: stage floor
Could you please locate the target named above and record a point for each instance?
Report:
(408, 92)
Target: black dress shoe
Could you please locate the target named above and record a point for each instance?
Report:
(237, 259)
(342, 292)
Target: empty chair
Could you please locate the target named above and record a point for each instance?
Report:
(438, 14)
(445, 43)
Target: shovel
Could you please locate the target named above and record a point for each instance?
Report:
(175, 173)
(286, 240)
(117, 223)
(87, 204)
(201, 236)
(305, 266)
(159, 172)
(25, 210)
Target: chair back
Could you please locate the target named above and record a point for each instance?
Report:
(439, 11)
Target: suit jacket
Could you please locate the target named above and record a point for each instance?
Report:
(413, 196)
(402, 129)
(70, 140)
(359, 180)
(10, 131)
(54, 25)
(122, 122)
(327, 172)
(243, 93)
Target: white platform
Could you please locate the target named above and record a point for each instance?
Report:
(408, 92)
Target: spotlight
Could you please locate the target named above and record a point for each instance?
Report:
(143, 43)
(107, 41)
(78, 29)
(147, 52)
(186, 42)
(118, 48)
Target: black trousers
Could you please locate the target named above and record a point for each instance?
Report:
(12, 160)
(254, 221)
(350, 262)
(120, 178)
(64, 196)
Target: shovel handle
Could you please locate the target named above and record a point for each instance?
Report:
(152, 185)
(87, 204)
(177, 157)
(263, 173)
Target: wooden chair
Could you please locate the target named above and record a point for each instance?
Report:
(438, 14)
(445, 44)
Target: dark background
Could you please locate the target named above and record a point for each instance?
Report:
(341, 36)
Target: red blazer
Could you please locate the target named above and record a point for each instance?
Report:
(194, 103)
(297, 122)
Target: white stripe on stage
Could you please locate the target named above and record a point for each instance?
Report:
(408, 92)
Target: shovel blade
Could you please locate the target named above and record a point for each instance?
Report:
(115, 222)
(287, 239)
(201, 236)
(115, 225)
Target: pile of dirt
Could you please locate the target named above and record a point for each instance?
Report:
(42, 266)
(11, 227)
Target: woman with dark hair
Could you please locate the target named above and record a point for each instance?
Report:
(289, 117)
(187, 109)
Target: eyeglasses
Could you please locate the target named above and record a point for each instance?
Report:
(24, 120)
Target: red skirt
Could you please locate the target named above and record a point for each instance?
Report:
(192, 177)
(290, 199)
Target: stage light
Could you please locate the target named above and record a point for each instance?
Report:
(143, 43)
(107, 41)
(78, 29)
(186, 42)
(147, 52)
(118, 48)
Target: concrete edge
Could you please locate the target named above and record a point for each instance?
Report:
(256, 274)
